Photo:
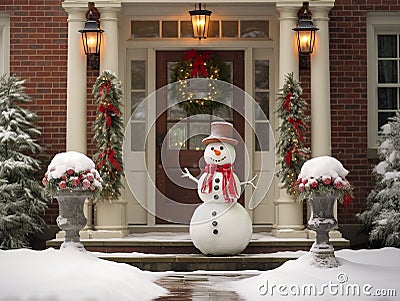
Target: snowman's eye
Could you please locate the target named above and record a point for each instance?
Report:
(221, 148)
(212, 148)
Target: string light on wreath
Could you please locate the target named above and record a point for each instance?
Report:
(206, 65)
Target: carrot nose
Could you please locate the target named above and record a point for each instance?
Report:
(217, 152)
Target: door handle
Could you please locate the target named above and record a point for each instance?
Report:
(159, 140)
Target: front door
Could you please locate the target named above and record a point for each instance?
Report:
(178, 140)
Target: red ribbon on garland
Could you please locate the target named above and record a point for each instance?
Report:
(288, 157)
(105, 85)
(297, 123)
(286, 104)
(198, 61)
(110, 153)
(108, 110)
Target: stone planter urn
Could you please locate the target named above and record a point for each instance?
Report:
(322, 221)
(71, 217)
(71, 178)
(322, 181)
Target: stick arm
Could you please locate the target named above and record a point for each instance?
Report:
(186, 174)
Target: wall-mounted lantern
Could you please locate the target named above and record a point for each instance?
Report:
(91, 38)
(305, 31)
(200, 22)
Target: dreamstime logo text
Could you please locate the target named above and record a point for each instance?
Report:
(340, 287)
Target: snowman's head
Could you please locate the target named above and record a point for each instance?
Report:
(219, 153)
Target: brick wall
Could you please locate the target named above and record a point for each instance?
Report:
(348, 63)
(38, 49)
(39, 54)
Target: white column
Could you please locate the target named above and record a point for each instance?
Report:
(320, 85)
(110, 219)
(76, 139)
(320, 90)
(109, 52)
(288, 212)
(76, 83)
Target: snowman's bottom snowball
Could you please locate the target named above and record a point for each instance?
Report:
(220, 228)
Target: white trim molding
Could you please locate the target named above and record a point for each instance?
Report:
(377, 23)
(4, 43)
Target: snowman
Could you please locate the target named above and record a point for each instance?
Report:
(220, 226)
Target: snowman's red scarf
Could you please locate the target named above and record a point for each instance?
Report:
(229, 188)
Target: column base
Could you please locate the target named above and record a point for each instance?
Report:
(288, 218)
(102, 234)
(289, 233)
(110, 221)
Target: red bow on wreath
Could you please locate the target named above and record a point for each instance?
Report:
(108, 110)
(110, 153)
(198, 61)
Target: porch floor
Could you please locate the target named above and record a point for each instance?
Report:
(174, 251)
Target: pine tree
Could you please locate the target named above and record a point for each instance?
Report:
(381, 219)
(21, 195)
(290, 146)
(108, 128)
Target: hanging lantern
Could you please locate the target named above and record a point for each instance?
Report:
(305, 32)
(200, 22)
(91, 38)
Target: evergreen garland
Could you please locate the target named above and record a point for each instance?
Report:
(22, 199)
(381, 219)
(108, 129)
(206, 65)
(290, 145)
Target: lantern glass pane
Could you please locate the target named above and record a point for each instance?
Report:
(305, 40)
(200, 25)
(91, 40)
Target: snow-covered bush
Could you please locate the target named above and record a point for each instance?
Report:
(382, 216)
(22, 199)
(325, 175)
(73, 171)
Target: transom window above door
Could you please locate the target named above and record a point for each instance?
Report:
(177, 29)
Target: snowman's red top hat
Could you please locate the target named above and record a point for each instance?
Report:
(221, 132)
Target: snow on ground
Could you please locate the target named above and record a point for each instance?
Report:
(362, 275)
(66, 275)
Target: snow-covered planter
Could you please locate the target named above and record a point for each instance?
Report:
(324, 175)
(72, 171)
(71, 178)
(322, 181)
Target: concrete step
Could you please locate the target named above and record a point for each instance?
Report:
(180, 243)
(199, 262)
(163, 251)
